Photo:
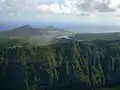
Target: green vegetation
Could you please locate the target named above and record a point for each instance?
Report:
(111, 88)
(61, 66)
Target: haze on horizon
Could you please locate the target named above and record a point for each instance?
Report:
(77, 12)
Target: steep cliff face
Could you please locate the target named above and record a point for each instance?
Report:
(67, 64)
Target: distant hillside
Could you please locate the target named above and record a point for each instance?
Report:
(34, 35)
(25, 31)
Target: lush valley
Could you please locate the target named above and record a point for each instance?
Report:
(50, 58)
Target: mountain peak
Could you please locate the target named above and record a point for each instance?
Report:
(25, 26)
(50, 27)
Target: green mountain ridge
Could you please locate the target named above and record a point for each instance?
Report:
(60, 66)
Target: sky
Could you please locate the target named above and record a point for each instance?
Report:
(75, 11)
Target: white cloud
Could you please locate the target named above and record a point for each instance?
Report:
(78, 7)
(82, 7)
(94, 6)
(55, 8)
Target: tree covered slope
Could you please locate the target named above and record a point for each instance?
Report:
(60, 66)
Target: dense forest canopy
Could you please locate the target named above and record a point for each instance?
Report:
(70, 65)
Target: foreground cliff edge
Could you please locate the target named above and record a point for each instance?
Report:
(63, 66)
